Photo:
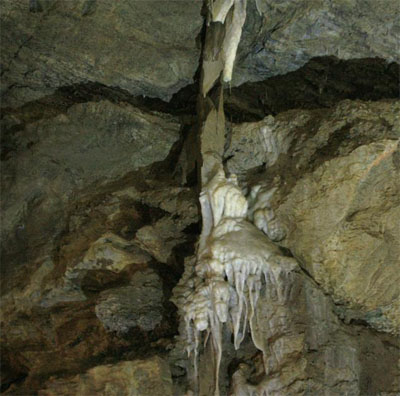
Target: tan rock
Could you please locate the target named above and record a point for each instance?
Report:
(149, 377)
(337, 174)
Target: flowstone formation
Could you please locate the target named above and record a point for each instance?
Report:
(234, 258)
(234, 261)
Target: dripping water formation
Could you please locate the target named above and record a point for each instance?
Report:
(200, 198)
(235, 255)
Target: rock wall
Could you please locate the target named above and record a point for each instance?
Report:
(335, 177)
(48, 45)
(102, 163)
(281, 36)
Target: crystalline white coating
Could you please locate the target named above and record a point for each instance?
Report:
(262, 214)
(234, 258)
(232, 37)
(232, 263)
(219, 9)
(233, 29)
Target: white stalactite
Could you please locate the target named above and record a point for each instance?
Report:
(220, 9)
(232, 38)
(235, 259)
(232, 13)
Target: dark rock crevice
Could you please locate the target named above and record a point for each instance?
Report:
(152, 211)
(321, 83)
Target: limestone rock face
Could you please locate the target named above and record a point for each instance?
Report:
(54, 160)
(336, 175)
(102, 166)
(136, 305)
(308, 348)
(78, 289)
(310, 351)
(281, 36)
(147, 48)
(150, 377)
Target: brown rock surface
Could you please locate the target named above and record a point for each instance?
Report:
(58, 160)
(70, 256)
(337, 178)
(100, 182)
(149, 377)
(310, 351)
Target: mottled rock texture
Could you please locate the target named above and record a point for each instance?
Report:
(78, 183)
(58, 159)
(145, 47)
(310, 351)
(137, 305)
(100, 184)
(337, 178)
(149, 377)
(289, 33)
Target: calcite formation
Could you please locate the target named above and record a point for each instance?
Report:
(234, 261)
(335, 178)
(234, 258)
(291, 288)
(223, 41)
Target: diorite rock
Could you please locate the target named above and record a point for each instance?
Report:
(147, 48)
(149, 377)
(336, 175)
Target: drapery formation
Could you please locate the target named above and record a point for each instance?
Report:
(234, 258)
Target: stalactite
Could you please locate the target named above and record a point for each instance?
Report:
(232, 37)
(232, 15)
(234, 258)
